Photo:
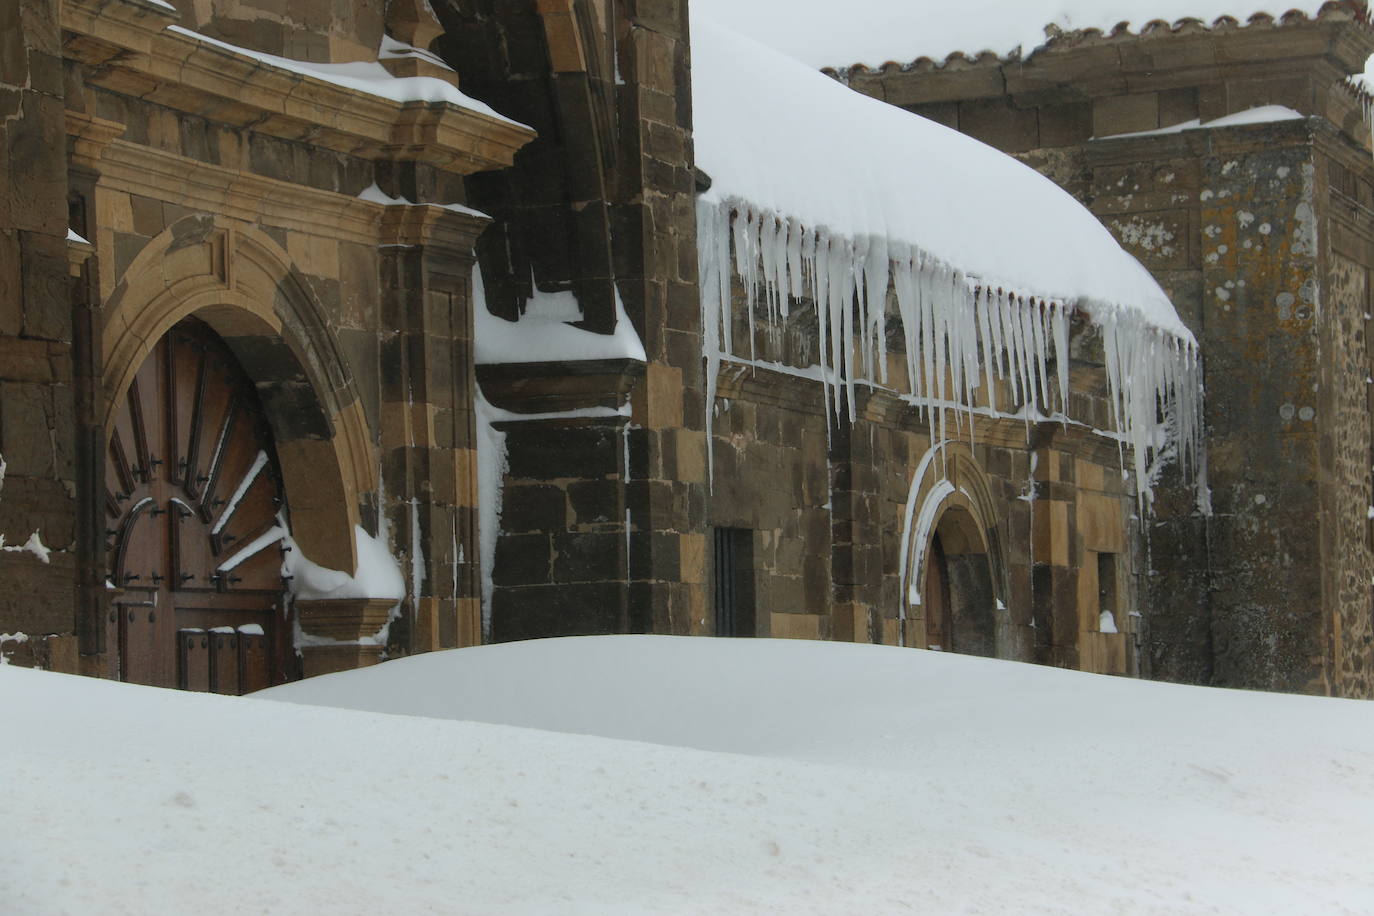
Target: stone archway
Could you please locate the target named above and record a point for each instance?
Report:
(953, 583)
(244, 287)
(957, 593)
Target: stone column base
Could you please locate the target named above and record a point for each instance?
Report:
(350, 625)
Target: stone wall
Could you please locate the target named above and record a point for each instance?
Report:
(1262, 246)
(40, 420)
(212, 186)
(828, 494)
(601, 205)
(1346, 413)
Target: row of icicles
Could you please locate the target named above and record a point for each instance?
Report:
(960, 338)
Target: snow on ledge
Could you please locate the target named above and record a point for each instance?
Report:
(543, 334)
(374, 194)
(819, 193)
(1264, 114)
(365, 76)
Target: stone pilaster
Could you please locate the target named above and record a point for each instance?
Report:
(38, 423)
(654, 224)
(429, 461)
(563, 552)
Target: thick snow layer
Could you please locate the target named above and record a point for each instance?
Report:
(786, 140)
(1264, 114)
(364, 76)
(843, 203)
(782, 777)
(823, 33)
(543, 335)
(378, 574)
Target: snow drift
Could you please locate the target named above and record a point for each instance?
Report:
(785, 777)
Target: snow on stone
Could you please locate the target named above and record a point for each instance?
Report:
(654, 775)
(821, 194)
(394, 49)
(1264, 114)
(364, 76)
(376, 195)
(378, 574)
(491, 475)
(16, 638)
(543, 335)
(34, 545)
(823, 33)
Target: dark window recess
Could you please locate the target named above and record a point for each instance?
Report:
(734, 581)
(1108, 607)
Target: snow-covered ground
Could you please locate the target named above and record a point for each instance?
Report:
(786, 777)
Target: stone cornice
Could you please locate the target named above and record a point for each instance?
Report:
(126, 48)
(161, 175)
(431, 226)
(1335, 44)
(547, 387)
(89, 138)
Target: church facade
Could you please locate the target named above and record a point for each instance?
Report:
(262, 422)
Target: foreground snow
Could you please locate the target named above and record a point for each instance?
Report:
(786, 777)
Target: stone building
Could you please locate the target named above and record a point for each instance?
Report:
(1232, 157)
(265, 419)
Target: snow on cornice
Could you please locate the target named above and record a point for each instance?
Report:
(823, 196)
(872, 34)
(365, 76)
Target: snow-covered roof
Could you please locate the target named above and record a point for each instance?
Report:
(820, 193)
(823, 33)
(788, 139)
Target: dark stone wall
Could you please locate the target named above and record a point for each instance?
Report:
(39, 437)
(602, 204)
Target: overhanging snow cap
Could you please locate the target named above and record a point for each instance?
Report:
(783, 140)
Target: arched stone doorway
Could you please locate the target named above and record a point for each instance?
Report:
(960, 604)
(195, 507)
(953, 583)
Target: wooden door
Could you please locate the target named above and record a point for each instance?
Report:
(936, 599)
(195, 512)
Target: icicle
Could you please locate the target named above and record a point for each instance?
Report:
(1061, 354)
(877, 273)
(961, 334)
(982, 302)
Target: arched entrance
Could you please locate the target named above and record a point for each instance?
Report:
(958, 596)
(953, 579)
(193, 502)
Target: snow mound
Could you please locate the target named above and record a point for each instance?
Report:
(824, 196)
(873, 32)
(873, 780)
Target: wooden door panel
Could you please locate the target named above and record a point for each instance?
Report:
(194, 659)
(192, 481)
(224, 661)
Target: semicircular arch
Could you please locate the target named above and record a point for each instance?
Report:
(241, 283)
(951, 495)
